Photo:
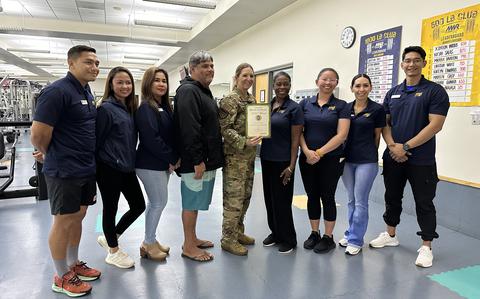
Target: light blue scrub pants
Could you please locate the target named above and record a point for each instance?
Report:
(358, 180)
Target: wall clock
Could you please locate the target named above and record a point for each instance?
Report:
(347, 38)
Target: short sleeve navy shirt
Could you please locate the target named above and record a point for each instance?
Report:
(321, 122)
(361, 146)
(69, 108)
(409, 110)
(278, 146)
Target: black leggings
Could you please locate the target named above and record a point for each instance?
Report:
(278, 201)
(111, 182)
(320, 182)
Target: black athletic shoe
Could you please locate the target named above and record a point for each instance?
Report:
(269, 241)
(285, 248)
(324, 245)
(311, 241)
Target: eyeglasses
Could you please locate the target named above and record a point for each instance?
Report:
(329, 80)
(414, 61)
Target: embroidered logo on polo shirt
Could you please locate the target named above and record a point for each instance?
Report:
(331, 108)
(160, 109)
(84, 102)
(395, 96)
(282, 111)
(367, 114)
(418, 94)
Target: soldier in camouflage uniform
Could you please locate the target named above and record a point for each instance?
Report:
(240, 153)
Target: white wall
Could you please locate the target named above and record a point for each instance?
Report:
(307, 34)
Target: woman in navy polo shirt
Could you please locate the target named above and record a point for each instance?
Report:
(321, 161)
(115, 154)
(156, 155)
(361, 157)
(278, 157)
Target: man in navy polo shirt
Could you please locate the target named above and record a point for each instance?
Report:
(416, 111)
(63, 131)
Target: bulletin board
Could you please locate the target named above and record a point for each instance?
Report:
(378, 58)
(452, 43)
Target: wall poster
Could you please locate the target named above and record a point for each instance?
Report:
(451, 41)
(379, 59)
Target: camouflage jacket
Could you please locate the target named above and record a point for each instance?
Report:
(233, 122)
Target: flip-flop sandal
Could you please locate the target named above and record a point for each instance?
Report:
(198, 258)
(205, 245)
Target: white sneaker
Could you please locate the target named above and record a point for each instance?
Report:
(425, 257)
(351, 250)
(120, 259)
(103, 242)
(343, 242)
(383, 240)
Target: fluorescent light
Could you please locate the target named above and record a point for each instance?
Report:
(29, 50)
(128, 61)
(191, 3)
(90, 5)
(45, 63)
(140, 57)
(163, 24)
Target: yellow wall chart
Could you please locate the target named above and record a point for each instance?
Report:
(452, 43)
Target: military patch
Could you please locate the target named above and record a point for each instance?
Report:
(418, 94)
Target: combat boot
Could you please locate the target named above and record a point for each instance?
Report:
(245, 240)
(234, 248)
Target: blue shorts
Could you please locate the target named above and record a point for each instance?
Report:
(197, 194)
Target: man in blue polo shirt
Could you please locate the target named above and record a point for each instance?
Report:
(416, 111)
(63, 131)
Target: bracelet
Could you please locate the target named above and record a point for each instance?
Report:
(289, 169)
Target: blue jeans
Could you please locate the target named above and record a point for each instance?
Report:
(358, 180)
(156, 187)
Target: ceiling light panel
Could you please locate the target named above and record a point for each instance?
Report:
(145, 57)
(13, 7)
(110, 54)
(62, 4)
(191, 3)
(178, 26)
(139, 61)
(31, 50)
(91, 5)
(70, 14)
(37, 9)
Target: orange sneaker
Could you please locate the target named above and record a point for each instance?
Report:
(84, 272)
(70, 285)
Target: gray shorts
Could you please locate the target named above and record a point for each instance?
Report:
(67, 195)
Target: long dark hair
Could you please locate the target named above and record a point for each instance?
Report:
(131, 101)
(147, 94)
(360, 76)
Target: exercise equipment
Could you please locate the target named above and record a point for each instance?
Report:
(37, 182)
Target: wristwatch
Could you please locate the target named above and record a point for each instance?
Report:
(406, 147)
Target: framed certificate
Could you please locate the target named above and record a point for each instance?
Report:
(258, 120)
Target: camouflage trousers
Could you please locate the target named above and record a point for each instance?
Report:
(238, 175)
